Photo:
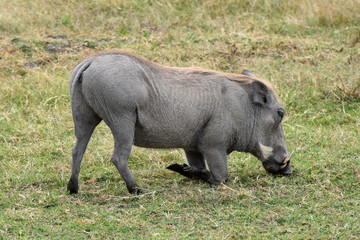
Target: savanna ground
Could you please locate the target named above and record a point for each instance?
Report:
(308, 49)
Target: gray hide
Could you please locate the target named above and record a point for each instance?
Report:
(206, 113)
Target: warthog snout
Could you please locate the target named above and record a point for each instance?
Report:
(283, 168)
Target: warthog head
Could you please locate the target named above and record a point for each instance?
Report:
(269, 144)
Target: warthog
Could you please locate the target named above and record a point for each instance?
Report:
(206, 113)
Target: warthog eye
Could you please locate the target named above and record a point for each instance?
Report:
(281, 113)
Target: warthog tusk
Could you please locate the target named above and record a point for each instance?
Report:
(287, 159)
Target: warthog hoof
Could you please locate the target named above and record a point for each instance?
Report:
(135, 190)
(182, 169)
(73, 186)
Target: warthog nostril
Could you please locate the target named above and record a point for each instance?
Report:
(286, 160)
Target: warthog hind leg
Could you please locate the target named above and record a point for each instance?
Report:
(123, 132)
(85, 120)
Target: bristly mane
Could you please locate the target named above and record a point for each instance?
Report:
(243, 79)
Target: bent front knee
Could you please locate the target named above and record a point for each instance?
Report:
(217, 179)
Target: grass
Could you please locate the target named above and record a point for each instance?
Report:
(309, 50)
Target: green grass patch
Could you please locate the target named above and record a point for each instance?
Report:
(309, 50)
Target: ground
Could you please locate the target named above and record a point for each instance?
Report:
(309, 51)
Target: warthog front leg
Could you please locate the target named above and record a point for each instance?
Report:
(195, 159)
(191, 172)
(197, 169)
(217, 162)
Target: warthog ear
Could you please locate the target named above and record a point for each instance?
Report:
(247, 73)
(261, 93)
